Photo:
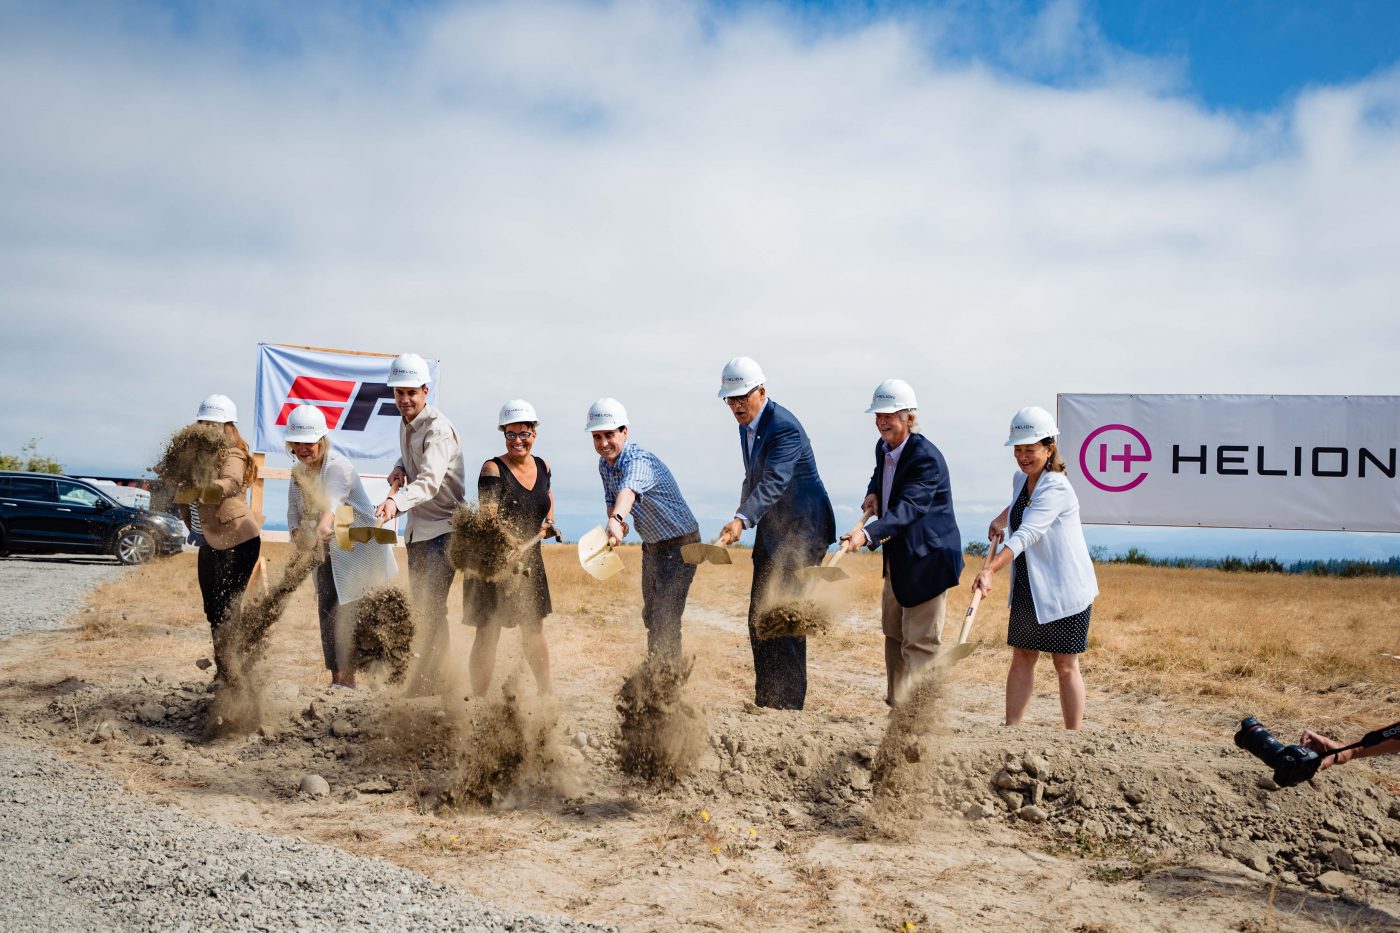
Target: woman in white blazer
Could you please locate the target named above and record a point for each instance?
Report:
(1052, 582)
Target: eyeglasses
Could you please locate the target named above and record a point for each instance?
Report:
(522, 436)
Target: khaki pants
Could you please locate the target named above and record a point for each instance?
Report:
(913, 635)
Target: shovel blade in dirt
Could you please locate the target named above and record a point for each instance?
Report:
(955, 653)
(596, 556)
(700, 553)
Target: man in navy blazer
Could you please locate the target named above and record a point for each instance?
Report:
(910, 493)
(784, 498)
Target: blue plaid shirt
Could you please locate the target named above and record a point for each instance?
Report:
(660, 513)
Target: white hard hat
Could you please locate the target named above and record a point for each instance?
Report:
(217, 408)
(740, 377)
(1031, 424)
(606, 414)
(408, 370)
(516, 410)
(306, 424)
(891, 396)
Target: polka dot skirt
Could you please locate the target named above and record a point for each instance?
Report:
(1069, 635)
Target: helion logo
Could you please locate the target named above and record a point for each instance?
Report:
(333, 396)
(1107, 456)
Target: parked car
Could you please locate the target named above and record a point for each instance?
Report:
(46, 514)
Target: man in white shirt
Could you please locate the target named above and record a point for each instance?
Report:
(427, 483)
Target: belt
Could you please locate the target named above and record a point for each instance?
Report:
(669, 543)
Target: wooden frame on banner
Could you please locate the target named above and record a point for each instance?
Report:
(260, 457)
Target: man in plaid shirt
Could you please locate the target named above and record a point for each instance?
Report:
(637, 484)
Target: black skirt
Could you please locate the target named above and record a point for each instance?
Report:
(1069, 635)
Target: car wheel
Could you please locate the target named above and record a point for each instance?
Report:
(134, 545)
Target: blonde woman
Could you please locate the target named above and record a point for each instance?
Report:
(1052, 583)
(232, 534)
(323, 481)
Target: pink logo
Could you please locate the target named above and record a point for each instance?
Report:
(1107, 456)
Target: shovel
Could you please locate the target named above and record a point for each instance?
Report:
(347, 536)
(595, 555)
(827, 570)
(963, 648)
(699, 553)
(549, 531)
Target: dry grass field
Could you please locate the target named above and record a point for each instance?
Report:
(1175, 657)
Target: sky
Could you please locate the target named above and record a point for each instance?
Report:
(995, 201)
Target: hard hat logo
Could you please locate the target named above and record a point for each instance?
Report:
(516, 411)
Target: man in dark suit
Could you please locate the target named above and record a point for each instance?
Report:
(910, 493)
(784, 498)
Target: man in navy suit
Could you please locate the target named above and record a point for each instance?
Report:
(910, 493)
(784, 498)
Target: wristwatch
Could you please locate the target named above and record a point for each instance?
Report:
(621, 519)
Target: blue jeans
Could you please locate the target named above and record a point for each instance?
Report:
(666, 580)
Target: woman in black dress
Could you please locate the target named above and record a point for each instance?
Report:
(1053, 586)
(517, 486)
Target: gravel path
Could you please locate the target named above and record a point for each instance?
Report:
(77, 852)
(38, 594)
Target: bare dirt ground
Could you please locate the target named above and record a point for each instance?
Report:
(1147, 820)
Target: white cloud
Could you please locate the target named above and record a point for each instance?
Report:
(567, 200)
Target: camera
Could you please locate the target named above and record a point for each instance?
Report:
(1292, 764)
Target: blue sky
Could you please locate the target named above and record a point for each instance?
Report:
(562, 200)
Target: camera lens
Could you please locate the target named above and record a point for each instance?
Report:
(1256, 740)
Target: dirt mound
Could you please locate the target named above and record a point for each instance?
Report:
(661, 734)
(792, 617)
(480, 545)
(191, 456)
(383, 639)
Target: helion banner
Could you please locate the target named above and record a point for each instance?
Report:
(1303, 462)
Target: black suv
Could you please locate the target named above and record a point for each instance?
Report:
(58, 514)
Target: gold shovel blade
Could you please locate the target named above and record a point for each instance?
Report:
(211, 495)
(186, 495)
(366, 533)
(698, 553)
(824, 574)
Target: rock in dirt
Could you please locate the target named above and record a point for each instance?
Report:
(150, 713)
(313, 785)
(1334, 882)
(343, 729)
(1033, 814)
(204, 664)
(979, 811)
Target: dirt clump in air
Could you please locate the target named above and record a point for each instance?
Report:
(382, 645)
(661, 733)
(191, 456)
(504, 751)
(481, 545)
(241, 639)
(906, 768)
(799, 617)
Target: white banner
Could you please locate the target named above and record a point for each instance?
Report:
(1304, 462)
(349, 388)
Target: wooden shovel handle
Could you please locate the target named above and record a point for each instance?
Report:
(976, 598)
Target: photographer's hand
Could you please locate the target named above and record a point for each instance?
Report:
(1323, 745)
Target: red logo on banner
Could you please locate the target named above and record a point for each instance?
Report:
(1109, 464)
(310, 390)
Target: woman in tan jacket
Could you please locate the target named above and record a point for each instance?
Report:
(231, 532)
